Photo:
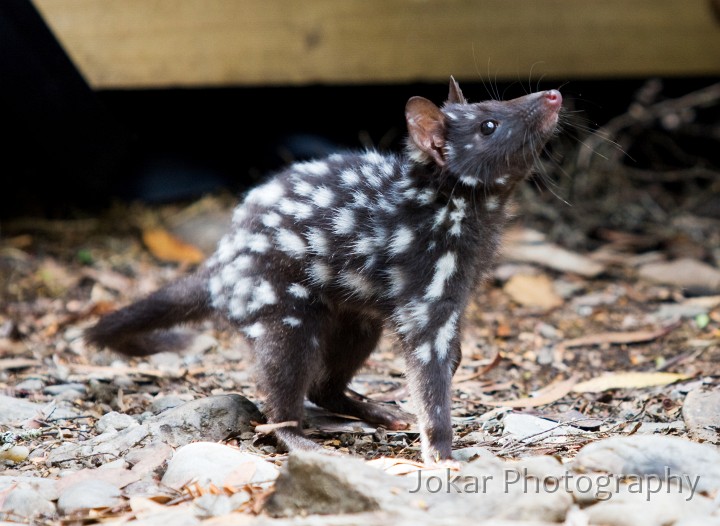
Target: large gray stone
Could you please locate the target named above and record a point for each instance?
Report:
(213, 418)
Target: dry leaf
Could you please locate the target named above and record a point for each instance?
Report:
(533, 291)
(617, 338)
(544, 396)
(482, 372)
(627, 381)
(166, 247)
(530, 247)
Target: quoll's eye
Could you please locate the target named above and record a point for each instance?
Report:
(488, 127)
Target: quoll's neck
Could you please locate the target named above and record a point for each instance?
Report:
(490, 196)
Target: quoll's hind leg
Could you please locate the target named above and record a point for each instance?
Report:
(287, 348)
(350, 340)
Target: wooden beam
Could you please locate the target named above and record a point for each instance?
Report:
(143, 43)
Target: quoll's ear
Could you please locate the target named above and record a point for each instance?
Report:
(455, 95)
(426, 126)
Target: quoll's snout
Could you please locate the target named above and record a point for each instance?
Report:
(553, 99)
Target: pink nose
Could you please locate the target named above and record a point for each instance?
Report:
(553, 98)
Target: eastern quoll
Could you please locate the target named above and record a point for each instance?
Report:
(328, 252)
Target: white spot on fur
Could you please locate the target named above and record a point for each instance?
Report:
(386, 168)
(344, 221)
(468, 181)
(470, 116)
(235, 270)
(290, 243)
(357, 283)
(387, 206)
(426, 196)
(416, 154)
(349, 177)
(267, 194)
(323, 197)
(258, 243)
(401, 240)
(364, 246)
(440, 217)
(369, 175)
(397, 280)
(297, 290)
(492, 203)
(263, 294)
(303, 188)
(423, 352)
(291, 321)
(313, 168)
(255, 330)
(451, 115)
(469, 146)
(215, 286)
(445, 335)
(320, 272)
(373, 157)
(271, 219)
(239, 214)
(360, 199)
(226, 249)
(457, 215)
(296, 209)
(317, 240)
(501, 180)
(411, 317)
(444, 269)
(410, 193)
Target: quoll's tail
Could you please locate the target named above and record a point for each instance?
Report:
(138, 329)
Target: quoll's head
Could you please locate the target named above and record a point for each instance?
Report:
(485, 143)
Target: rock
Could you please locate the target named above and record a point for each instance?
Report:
(210, 463)
(519, 426)
(30, 385)
(213, 418)
(26, 502)
(657, 455)
(149, 459)
(14, 410)
(47, 488)
(163, 403)
(628, 507)
(701, 413)
(59, 389)
(316, 483)
(115, 421)
(111, 444)
(466, 454)
(685, 272)
(88, 494)
(541, 467)
(210, 505)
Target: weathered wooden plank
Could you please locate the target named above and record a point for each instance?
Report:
(152, 43)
